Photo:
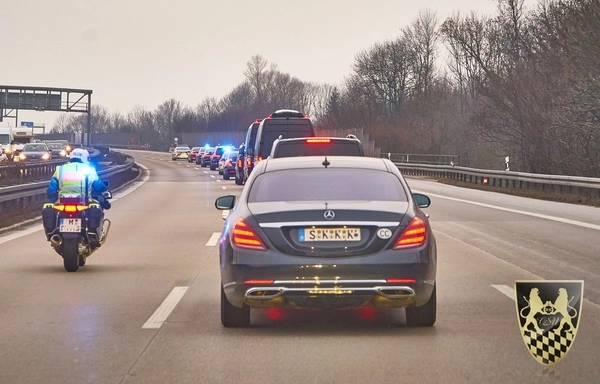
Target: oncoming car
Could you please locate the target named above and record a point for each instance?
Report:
(57, 149)
(327, 232)
(181, 152)
(35, 152)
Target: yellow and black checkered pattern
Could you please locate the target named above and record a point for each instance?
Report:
(549, 347)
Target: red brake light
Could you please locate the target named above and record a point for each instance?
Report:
(400, 281)
(239, 163)
(258, 281)
(414, 235)
(318, 141)
(244, 236)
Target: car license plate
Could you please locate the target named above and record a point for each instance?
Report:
(70, 225)
(329, 234)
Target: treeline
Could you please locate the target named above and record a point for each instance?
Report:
(524, 83)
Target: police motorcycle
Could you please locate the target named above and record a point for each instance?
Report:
(75, 226)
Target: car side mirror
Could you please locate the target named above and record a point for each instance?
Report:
(225, 202)
(423, 201)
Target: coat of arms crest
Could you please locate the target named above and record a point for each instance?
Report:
(549, 313)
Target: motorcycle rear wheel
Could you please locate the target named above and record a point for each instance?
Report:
(70, 255)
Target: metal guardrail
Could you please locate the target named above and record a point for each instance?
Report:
(582, 187)
(23, 194)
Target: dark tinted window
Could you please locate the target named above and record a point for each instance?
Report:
(327, 184)
(302, 148)
(251, 138)
(272, 129)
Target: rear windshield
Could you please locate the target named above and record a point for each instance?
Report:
(302, 148)
(287, 129)
(326, 184)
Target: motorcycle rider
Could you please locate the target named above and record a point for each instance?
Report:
(71, 180)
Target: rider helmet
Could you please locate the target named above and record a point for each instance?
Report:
(80, 154)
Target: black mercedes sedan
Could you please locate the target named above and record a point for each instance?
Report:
(338, 232)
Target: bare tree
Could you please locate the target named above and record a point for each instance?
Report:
(167, 115)
(421, 40)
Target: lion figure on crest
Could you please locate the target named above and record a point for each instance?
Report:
(562, 306)
(535, 306)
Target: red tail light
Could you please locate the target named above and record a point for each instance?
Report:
(239, 163)
(70, 208)
(414, 235)
(243, 236)
(229, 163)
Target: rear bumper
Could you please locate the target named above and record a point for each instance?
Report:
(332, 286)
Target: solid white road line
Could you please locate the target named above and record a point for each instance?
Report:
(532, 214)
(160, 315)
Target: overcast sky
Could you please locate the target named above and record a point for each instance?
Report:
(144, 52)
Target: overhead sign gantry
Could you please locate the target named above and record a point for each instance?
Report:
(15, 98)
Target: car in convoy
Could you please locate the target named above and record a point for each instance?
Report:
(229, 165)
(193, 154)
(330, 232)
(317, 146)
(216, 156)
(57, 149)
(181, 152)
(281, 124)
(200, 154)
(35, 152)
(206, 156)
(246, 154)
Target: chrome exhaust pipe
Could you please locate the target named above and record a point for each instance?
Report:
(396, 292)
(264, 293)
(56, 241)
(105, 230)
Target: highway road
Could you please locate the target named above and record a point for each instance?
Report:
(145, 308)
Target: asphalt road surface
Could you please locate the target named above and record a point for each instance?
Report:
(145, 308)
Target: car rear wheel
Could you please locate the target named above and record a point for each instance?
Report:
(423, 316)
(232, 316)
